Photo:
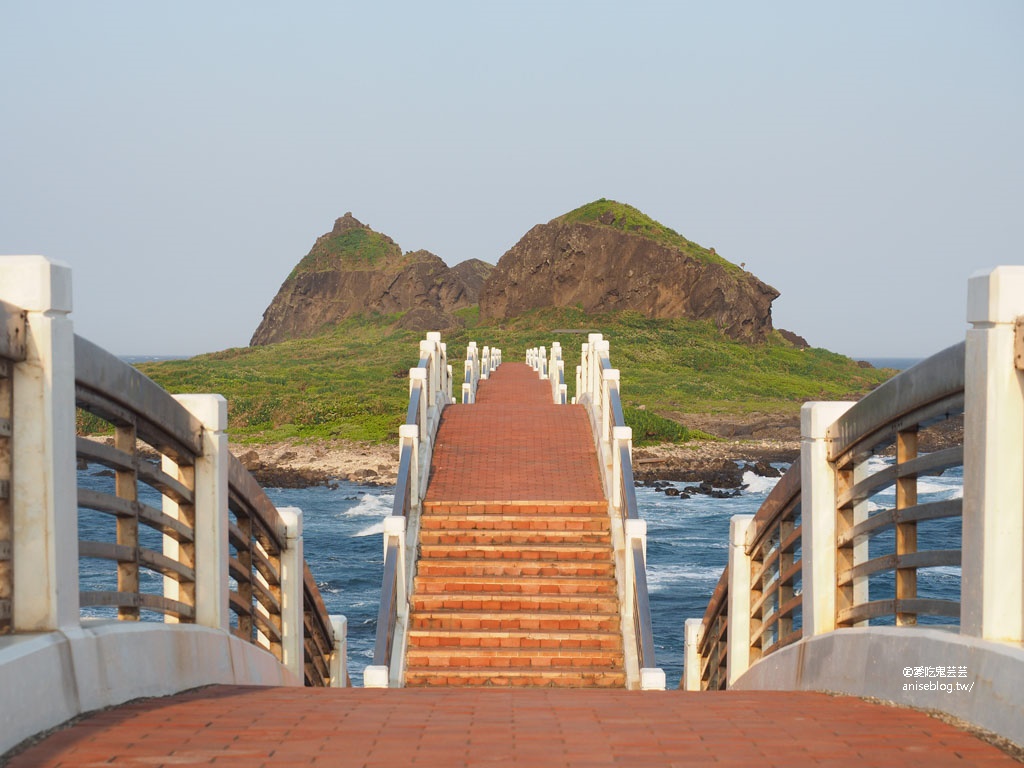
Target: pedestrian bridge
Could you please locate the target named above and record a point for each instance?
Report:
(514, 597)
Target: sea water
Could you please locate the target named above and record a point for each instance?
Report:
(687, 548)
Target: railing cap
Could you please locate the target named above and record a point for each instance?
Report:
(817, 417)
(211, 410)
(996, 295)
(36, 283)
(738, 525)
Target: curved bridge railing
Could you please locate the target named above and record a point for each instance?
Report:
(877, 520)
(597, 388)
(856, 559)
(430, 392)
(167, 559)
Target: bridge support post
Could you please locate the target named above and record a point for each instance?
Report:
(738, 637)
(692, 631)
(211, 519)
(992, 588)
(292, 619)
(622, 437)
(43, 485)
(409, 434)
(339, 660)
(818, 514)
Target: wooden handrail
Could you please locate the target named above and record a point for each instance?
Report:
(142, 412)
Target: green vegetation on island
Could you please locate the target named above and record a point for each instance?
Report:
(352, 382)
(628, 219)
(349, 249)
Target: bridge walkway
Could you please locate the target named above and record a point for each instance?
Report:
(515, 579)
(371, 728)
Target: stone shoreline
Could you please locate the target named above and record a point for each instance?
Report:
(300, 464)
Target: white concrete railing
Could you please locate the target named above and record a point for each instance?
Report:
(597, 389)
(490, 359)
(971, 671)
(477, 366)
(550, 368)
(471, 374)
(430, 392)
(74, 664)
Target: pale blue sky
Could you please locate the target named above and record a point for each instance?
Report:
(862, 157)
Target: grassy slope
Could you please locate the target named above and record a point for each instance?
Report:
(626, 218)
(353, 249)
(352, 382)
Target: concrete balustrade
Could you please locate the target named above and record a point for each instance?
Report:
(74, 665)
(597, 389)
(430, 392)
(838, 648)
(992, 601)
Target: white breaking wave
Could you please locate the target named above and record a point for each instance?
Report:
(663, 577)
(758, 484)
(374, 530)
(372, 506)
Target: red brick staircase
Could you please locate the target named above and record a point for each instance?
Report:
(516, 591)
(515, 594)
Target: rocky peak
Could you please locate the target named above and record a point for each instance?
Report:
(606, 256)
(354, 270)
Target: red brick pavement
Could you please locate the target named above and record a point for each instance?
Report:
(254, 727)
(514, 444)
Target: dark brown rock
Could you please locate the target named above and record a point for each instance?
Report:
(601, 268)
(797, 341)
(353, 270)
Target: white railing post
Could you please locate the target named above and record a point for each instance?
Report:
(409, 434)
(420, 375)
(738, 630)
(485, 363)
(621, 437)
(211, 513)
(610, 384)
(693, 629)
(818, 513)
(339, 659)
(292, 619)
(430, 383)
(395, 529)
(44, 492)
(992, 586)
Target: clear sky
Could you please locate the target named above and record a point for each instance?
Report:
(862, 157)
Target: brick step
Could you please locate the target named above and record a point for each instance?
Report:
(514, 568)
(506, 538)
(502, 522)
(464, 601)
(524, 508)
(545, 552)
(526, 639)
(552, 677)
(538, 585)
(505, 620)
(513, 658)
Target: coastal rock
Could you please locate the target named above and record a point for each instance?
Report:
(607, 257)
(353, 270)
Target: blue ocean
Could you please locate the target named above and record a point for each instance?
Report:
(687, 550)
